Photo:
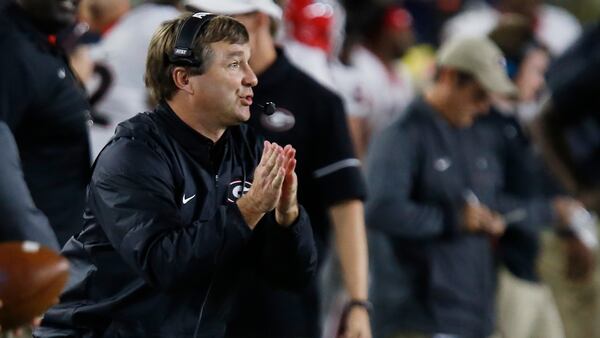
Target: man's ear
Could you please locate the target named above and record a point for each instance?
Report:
(181, 78)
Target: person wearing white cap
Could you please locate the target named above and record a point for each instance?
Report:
(236, 7)
(312, 119)
(433, 183)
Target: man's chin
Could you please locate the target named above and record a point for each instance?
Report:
(245, 114)
(242, 116)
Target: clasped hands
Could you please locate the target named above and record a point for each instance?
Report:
(274, 187)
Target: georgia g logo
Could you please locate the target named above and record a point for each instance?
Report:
(234, 192)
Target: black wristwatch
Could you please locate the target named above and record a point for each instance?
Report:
(360, 303)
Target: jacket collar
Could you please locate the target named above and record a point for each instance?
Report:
(200, 147)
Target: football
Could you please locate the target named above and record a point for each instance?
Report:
(31, 279)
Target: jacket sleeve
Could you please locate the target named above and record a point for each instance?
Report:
(132, 195)
(20, 218)
(391, 172)
(531, 214)
(287, 256)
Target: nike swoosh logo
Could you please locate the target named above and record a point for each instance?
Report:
(185, 200)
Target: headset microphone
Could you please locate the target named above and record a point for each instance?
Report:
(268, 108)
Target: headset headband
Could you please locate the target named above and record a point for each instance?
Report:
(183, 51)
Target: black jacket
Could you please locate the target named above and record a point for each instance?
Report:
(47, 112)
(20, 219)
(165, 246)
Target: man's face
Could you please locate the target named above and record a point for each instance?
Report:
(400, 41)
(466, 102)
(51, 15)
(225, 88)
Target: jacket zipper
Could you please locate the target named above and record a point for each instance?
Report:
(212, 279)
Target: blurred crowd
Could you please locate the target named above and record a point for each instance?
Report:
(481, 191)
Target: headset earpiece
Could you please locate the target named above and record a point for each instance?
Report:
(183, 53)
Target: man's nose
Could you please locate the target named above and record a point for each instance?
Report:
(250, 78)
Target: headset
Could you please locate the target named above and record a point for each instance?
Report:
(183, 53)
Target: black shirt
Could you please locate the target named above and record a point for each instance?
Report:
(328, 171)
(312, 119)
(47, 112)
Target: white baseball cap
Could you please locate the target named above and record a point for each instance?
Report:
(234, 7)
(480, 57)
